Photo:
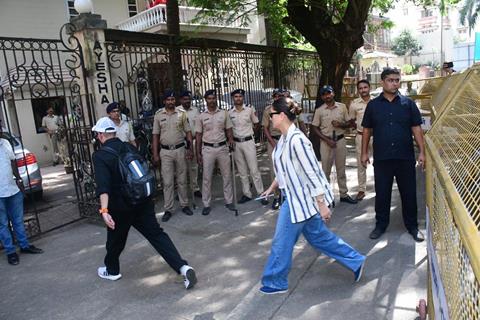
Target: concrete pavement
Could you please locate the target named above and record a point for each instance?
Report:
(228, 254)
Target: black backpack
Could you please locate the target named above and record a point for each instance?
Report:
(138, 181)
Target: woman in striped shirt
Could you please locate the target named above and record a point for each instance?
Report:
(306, 209)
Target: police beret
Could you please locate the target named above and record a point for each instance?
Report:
(210, 92)
(112, 106)
(168, 94)
(186, 93)
(238, 91)
(276, 91)
(326, 89)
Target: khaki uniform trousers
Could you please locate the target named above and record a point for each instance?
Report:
(361, 170)
(210, 155)
(246, 161)
(54, 142)
(193, 172)
(174, 162)
(340, 159)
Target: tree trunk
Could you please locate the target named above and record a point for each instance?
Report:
(336, 40)
(175, 56)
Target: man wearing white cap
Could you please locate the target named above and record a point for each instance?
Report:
(119, 215)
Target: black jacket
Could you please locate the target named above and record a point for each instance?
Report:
(107, 175)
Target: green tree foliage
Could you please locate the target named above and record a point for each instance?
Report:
(333, 27)
(469, 13)
(406, 44)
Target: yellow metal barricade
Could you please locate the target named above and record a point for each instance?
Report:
(453, 198)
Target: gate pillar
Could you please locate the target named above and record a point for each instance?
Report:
(89, 30)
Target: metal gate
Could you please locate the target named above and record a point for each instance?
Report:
(140, 72)
(37, 74)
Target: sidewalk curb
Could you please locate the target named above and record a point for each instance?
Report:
(256, 305)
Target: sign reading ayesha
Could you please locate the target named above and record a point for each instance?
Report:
(102, 88)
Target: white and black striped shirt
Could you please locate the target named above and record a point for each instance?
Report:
(302, 178)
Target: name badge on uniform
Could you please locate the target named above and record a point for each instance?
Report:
(162, 120)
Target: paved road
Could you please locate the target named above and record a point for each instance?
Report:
(228, 253)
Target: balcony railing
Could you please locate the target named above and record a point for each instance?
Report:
(157, 16)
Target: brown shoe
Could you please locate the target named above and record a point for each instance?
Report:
(360, 196)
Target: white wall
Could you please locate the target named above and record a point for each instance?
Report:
(43, 18)
(33, 19)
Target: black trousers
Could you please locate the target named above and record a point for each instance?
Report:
(404, 173)
(143, 219)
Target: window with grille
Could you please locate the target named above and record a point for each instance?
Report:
(71, 9)
(132, 8)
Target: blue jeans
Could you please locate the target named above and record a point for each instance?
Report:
(11, 209)
(317, 234)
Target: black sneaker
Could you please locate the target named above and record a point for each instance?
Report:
(166, 216)
(31, 249)
(264, 202)
(197, 194)
(244, 199)
(187, 211)
(417, 235)
(376, 233)
(348, 199)
(230, 206)
(12, 259)
(206, 211)
(276, 203)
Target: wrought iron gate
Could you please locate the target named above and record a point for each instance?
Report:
(36, 74)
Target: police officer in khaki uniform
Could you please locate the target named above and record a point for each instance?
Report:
(357, 110)
(51, 123)
(213, 128)
(170, 128)
(330, 121)
(244, 119)
(192, 114)
(272, 135)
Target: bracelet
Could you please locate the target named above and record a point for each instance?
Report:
(103, 210)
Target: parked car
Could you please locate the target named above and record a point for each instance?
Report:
(27, 167)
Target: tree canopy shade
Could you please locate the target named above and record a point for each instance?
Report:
(334, 28)
(406, 44)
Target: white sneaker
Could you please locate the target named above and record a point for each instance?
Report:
(103, 273)
(189, 276)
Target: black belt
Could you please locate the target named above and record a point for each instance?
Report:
(276, 137)
(340, 137)
(243, 139)
(215, 145)
(173, 147)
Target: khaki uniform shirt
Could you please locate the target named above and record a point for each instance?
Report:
(324, 116)
(192, 115)
(213, 125)
(243, 121)
(267, 122)
(125, 131)
(171, 126)
(357, 110)
(51, 123)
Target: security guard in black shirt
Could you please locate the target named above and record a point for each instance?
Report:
(119, 215)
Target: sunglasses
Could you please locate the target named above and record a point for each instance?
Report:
(272, 113)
